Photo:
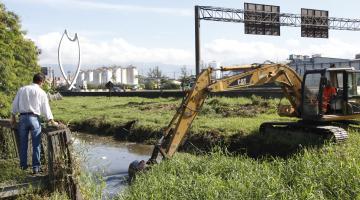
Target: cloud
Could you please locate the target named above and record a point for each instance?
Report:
(243, 52)
(115, 51)
(97, 5)
(293, 42)
(121, 51)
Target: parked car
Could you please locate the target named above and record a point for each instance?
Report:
(134, 88)
(117, 89)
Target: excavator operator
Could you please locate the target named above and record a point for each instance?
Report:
(328, 93)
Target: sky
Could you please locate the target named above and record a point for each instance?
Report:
(161, 32)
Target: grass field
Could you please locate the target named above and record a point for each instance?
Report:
(220, 115)
(329, 171)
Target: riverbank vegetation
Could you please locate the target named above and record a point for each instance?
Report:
(10, 172)
(240, 165)
(330, 172)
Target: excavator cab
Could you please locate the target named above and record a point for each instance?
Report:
(331, 94)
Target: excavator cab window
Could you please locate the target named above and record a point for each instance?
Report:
(311, 102)
(333, 93)
(345, 100)
(353, 92)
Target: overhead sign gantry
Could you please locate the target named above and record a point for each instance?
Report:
(261, 19)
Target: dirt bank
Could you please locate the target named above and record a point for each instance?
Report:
(252, 144)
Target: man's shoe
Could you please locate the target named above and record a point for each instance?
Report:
(37, 171)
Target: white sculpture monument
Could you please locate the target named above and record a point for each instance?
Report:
(68, 81)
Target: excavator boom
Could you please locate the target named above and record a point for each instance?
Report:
(279, 74)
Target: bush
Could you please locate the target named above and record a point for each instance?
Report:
(18, 59)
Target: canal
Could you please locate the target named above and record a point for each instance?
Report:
(110, 159)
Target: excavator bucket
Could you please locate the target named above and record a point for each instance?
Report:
(134, 168)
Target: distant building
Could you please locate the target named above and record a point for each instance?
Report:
(107, 75)
(301, 63)
(81, 77)
(89, 76)
(117, 75)
(97, 77)
(80, 81)
(131, 75)
(216, 65)
(59, 81)
(123, 76)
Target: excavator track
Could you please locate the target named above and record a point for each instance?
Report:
(307, 131)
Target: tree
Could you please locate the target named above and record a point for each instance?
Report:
(185, 77)
(154, 79)
(169, 85)
(18, 58)
(150, 85)
(155, 73)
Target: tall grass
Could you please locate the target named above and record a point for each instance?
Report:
(332, 172)
(10, 172)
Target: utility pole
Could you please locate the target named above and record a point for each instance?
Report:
(197, 40)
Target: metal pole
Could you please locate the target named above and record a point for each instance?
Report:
(197, 41)
(53, 77)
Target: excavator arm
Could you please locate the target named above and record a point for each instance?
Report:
(280, 74)
(185, 115)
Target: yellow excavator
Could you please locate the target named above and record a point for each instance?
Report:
(317, 114)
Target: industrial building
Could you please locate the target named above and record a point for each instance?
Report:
(301, 63)
(101, 76)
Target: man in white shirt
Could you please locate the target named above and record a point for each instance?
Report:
(31, 102)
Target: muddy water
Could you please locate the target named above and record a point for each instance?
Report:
(110, 158)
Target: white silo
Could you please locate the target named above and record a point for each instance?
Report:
(106, 75)
(123, 76)
(80, 78)
(136, 79)
(132, 75)
(82, 75)
(90, 76)
(215, 65)
(117, 75)
(97, 77)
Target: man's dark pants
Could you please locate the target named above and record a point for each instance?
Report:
(30, 123)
